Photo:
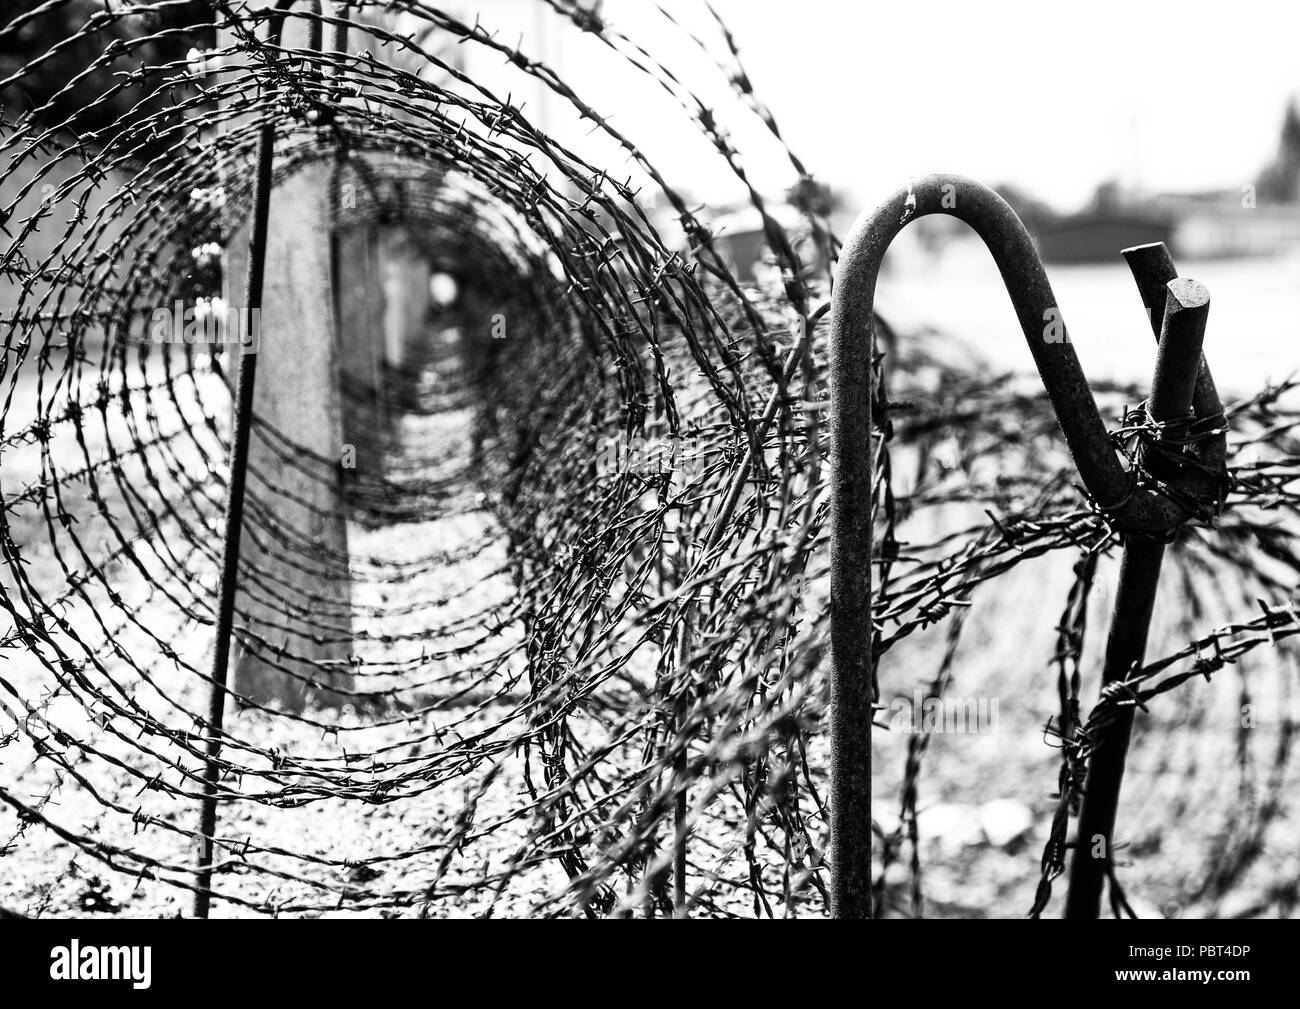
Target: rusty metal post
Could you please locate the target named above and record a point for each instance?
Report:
(852, 678)
(1153, 268)
(1178, 363)
(1129, 506)
(246, 375)
(241, 429)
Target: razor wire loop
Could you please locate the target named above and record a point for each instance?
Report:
(537, 722)
(661, 276)
(1133, 506)
(799, 354)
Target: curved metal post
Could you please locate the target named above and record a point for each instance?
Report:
(1129, 506)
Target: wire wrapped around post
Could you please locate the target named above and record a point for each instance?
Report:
(1130, 504)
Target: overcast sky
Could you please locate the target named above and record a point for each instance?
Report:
(1055, 98)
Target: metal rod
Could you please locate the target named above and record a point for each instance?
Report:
(246, 373)
(1129, 507)
(1153, 268)
(1178, 363)
(241, 427)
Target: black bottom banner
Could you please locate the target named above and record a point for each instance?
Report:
(150, 958)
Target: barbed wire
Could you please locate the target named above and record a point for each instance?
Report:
(639, 667)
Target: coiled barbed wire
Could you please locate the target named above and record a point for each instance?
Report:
(640, 655)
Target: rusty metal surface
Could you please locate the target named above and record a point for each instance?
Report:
(1131, 503)
(624, 322)
(1179, 375)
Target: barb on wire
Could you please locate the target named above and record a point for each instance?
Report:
(598, 452)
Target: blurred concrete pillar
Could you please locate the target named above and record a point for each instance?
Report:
(360, 308)
(417, 312)
(294, 604)
(406, 297)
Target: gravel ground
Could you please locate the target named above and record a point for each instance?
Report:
(1206, 811)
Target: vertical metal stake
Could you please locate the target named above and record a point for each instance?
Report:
(242, 424)
(852, 661)
(1178, 362)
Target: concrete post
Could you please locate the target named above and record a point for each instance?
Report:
(406, 296)
(360, 308)
(295, 591)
